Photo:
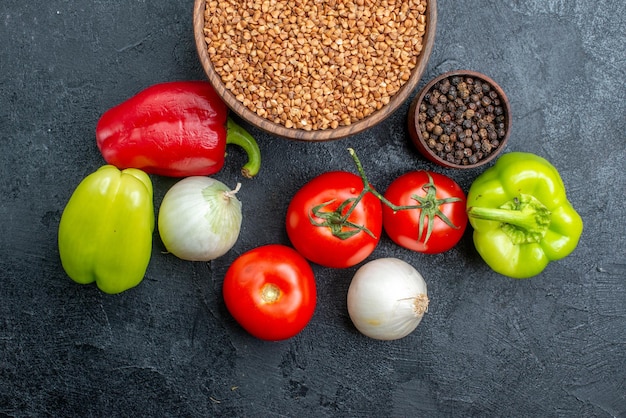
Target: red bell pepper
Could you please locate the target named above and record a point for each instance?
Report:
(174, 129)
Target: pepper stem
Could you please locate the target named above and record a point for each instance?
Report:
(237, 135)
(525, 219)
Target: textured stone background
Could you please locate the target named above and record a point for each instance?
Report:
(551, 346)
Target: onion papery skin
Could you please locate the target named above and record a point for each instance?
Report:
(199, 219)
(387, 299)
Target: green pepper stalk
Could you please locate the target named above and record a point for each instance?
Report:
(235, 134)
(105, 233)
(521, 217)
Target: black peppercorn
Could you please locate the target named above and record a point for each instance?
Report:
(452, 93)
(463, 91)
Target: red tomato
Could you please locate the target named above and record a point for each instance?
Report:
(403, 226)
(319, 201)
(270, 291)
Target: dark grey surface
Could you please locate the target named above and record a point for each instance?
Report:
(550, 346)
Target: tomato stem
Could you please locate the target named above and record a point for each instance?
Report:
(340, 227)
(367, 187)
(338, 222)
(428, 205)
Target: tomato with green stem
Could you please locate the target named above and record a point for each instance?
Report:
(334, 221)
(271, 292)
(426, 212)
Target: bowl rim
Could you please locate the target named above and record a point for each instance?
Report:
(322, 134)
(416, 133)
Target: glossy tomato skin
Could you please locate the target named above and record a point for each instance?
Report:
(317, 243)
(402, 226)
(271, 292)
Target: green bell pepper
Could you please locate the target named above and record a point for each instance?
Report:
(105, 233)
(521, 217)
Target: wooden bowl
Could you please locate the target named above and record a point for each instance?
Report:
(424, 140)
(341, 131)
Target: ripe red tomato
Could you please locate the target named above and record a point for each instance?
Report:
(435, 192)
(314, 227)
(271, 292)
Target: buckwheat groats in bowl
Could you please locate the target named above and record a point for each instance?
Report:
(314, 70)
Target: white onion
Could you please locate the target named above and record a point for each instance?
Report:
(387, 299)
(199, 219)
